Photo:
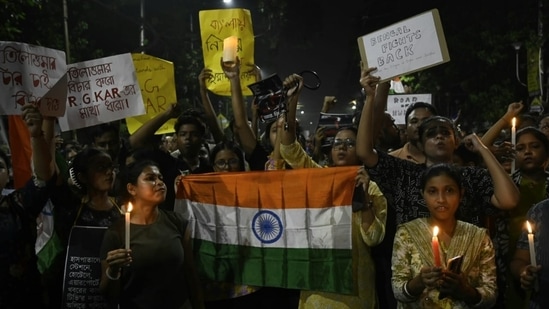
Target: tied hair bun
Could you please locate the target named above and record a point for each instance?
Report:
(74, 180)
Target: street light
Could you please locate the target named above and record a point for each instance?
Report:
(517, 46)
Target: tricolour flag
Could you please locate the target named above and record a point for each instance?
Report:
(288, 228)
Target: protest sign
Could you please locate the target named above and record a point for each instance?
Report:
(30, 74)
(215, 26)
(83, 269)
(157, 83)
(101, 90)
(405, 47)
(398, 103)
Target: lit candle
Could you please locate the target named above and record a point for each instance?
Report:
(230, 45)
(128, 210)
(436, 251)
(531, 244)
(513, 140)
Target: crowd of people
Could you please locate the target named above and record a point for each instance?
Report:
(478, 190)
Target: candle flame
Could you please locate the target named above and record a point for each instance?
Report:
(514, 121)
(435, 231)
(129, 207)
(529, 227)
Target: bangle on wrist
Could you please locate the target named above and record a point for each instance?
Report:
(406, 292)
(107, 272)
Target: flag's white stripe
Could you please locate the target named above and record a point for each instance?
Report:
(326, 228)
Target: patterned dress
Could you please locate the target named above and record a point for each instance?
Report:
(412, 250)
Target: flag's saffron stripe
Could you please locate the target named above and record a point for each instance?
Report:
(273, 189)
(327, 227)
(314, 269)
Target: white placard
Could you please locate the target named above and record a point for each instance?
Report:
(29, 75)
(101, 90)
(405, 47)
(398, 103)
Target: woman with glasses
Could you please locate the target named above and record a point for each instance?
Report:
(369, 208)
(83, 209)
(228, 157)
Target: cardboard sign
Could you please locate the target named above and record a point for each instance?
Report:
(405, 47)
(101, 90)
(216, 26)
(398, 103)
(157, 81)
(32, 74)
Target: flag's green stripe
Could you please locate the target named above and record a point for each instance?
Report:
(327, 270)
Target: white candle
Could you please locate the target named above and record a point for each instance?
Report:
(128, 210)
(513, 140)
(531, 244)
(230, 46)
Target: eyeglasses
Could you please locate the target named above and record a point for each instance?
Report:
(349, 143)
(434, 131)
(222, 163)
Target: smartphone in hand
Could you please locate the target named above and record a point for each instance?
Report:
(454, 264)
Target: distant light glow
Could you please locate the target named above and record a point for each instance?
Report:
(302, 112)
(227, 1)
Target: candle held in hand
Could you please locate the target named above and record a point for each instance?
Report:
(513, 140)
(128, 211)
(435, 244)
(531, 244)
(230, 46)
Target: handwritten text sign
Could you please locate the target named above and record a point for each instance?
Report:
(28, 75)
(157, 82)
(215, 26)
(101, 90)
(405, 47)
(398, 103)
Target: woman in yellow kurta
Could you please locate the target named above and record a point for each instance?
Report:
(368, 228)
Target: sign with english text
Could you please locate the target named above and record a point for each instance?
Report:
(157, 81)
(32, 74)
(101, 90)
(398, 103)
(408, 46)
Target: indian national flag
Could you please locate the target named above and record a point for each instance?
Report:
(289, 228)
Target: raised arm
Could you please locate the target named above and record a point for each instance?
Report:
(506, 194)
(513, 110)
(210, 116)
(42, 148)
(143, 134)
(248, 141)
(365, 138)
(294, 84)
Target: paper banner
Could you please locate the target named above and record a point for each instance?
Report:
(215, 26)
(28, 75)
(101, 90)
(157, 82)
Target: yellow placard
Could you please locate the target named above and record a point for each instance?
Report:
(157, 81)
(215, 26)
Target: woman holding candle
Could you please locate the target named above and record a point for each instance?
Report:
(417, 281)
(158, 270)
(530, 263)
